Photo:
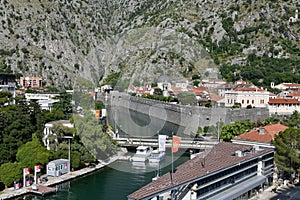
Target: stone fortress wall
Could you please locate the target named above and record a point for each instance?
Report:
(184, 115)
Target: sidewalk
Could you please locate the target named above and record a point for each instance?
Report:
(283, 192)
(11, 192)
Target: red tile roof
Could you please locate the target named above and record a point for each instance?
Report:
(269, 133)
(291, 84)
(249, 89)
(215, 97)
(293, 94)
(176, 90)
(200, 89)
(219, 157)
(284, 101)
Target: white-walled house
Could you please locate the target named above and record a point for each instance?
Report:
(47, 104)
(183, 84)
(280, 106)
(47, 131)
(40, 96)
(287, 86)
(247, 96)
(164, 86)
(8, 83)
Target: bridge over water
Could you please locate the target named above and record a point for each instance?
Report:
(185, 143)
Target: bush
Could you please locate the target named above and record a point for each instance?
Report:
(249, 107)
(24, 50)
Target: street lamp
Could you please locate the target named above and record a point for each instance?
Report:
(69, 137)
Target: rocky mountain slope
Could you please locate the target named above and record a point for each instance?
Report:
(63, 40)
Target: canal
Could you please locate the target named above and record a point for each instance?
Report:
(121, 178)
(111, 183)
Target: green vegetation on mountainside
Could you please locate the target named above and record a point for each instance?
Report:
(61, 40)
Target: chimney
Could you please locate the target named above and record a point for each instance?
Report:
(238, 153)
(261, 131)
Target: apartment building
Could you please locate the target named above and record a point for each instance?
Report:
(227, 171)
(8, 83)
(30, 82)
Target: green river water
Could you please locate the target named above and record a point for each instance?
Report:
(111, 183)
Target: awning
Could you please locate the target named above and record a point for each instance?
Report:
(239, 189)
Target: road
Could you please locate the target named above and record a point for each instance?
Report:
(283, 193)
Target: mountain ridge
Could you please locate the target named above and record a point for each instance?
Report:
(64, 40)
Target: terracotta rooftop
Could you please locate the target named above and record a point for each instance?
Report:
(249, 89)
(176, 90)
(219, 157)
(200, 89)
(215, 97)
(284, 101)
(268, 134)
(293, 94)
(291, 84)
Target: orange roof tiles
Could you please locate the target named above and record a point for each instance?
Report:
(284, 101)
(249, 89)
(215, 97)
(199, 89)
(291, 84)
(176, 90)
(269, 133)
(293, 94)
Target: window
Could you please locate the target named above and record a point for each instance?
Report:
(243, 101)
(262, 101)
(252, 101)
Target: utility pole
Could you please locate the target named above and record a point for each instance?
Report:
(69, 153)
(219, 129)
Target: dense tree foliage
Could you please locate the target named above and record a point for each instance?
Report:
(287, 145)
(99, 143)
(294, 120)
(231, 130)
(99, 105)
(59, 148)
(158, 97)
(64, 105)
(33, 153)
(9, 172)
(28, 155)
(21, 131)
(264, 70)
(5, 97)
(17, 124)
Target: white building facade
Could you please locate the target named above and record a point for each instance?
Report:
(48, 131)
(247, 96)
(283, 106)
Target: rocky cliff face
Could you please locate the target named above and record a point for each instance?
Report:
(63, 40)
